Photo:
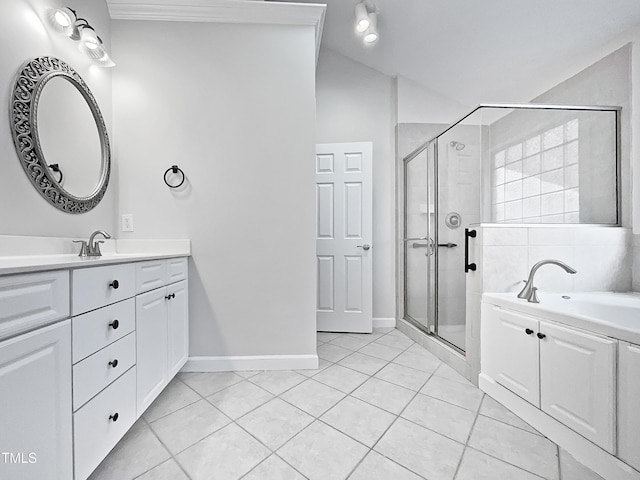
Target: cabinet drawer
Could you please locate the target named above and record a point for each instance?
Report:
(95, 330)
(32, 300)
(94, 373)
(99, 286)
(150, 275)
(176, 269)
(94, 433)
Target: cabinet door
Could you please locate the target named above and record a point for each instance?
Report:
(509, 353)
(35, 404)
(151, 343)
(628, 395)
(178, 326)
(577, 382)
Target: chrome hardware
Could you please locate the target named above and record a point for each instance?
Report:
(529, 291)
(84, 249)
(420, 245)
(365, 247)
(94, 246)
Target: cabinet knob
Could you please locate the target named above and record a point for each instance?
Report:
(114, 417)
(170, 296)
(528, 331)
(541, 335)
(115, 284)
(114, 363)
(115, 324)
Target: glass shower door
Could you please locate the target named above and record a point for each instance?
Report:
(419, 251)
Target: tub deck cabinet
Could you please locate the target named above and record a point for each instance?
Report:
(577, 387)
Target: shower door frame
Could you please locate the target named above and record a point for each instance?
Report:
(431, 327)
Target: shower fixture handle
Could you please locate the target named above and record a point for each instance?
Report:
(468, 266)
(365, 247)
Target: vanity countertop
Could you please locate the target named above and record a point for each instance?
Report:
(35, 263)
(612, 314)
(18, 253)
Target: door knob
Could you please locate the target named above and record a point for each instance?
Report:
(366, 246)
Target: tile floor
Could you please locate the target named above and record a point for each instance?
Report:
(379, 407)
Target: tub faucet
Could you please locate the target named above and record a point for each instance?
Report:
(93, 248)
(529, 291)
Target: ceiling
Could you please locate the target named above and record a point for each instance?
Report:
(477, 51)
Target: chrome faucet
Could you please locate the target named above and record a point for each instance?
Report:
(93, 247)
(529, 291)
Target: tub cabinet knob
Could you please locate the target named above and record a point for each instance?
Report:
(528, 331)
(541, 335)
(114, 417)
(115, 324)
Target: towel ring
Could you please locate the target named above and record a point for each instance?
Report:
(174, 169)
(56, 168)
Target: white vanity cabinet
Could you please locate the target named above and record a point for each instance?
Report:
(628, 399)
(83, 352)
(35, 404)
(568, 373)
(162, 332)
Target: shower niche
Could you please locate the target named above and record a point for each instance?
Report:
(499, 164)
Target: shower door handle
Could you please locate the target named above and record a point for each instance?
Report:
(468, 266)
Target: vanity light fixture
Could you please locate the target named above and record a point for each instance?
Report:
(76, 29)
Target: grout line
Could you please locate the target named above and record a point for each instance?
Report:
(168, 451)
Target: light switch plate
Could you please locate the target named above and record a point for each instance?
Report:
(127, 222)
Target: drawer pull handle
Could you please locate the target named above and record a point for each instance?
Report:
(170, 296)
(528, 331)
(114, 363)
(115, 324)
(114, 417)
(115, 284)
(541, 335)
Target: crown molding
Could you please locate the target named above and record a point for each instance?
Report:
(222, 11)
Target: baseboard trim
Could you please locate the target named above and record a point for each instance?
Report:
(251, 362)
(384, 322)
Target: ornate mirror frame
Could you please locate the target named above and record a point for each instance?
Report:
(23, 112)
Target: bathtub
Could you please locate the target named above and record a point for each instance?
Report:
(612, 314)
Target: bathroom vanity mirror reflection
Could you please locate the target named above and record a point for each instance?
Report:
(60, 135)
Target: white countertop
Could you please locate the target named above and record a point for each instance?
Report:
(114, 251)
(612, 314)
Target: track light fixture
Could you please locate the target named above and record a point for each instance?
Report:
(76, 29)
(371, 33)
(362, 17)
(366, 23)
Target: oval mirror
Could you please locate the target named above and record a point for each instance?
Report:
(60, 135)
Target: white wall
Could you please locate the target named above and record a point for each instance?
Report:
(233, 106)
(24, 34)
(355, 104)
(418, 104)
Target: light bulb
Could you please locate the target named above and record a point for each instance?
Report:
(371, 35)
(64, 16)
(362, 18)
(89, 38)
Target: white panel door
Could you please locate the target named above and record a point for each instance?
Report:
(510, 351)
(344, 236)
(628, 395)
(577, 382)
